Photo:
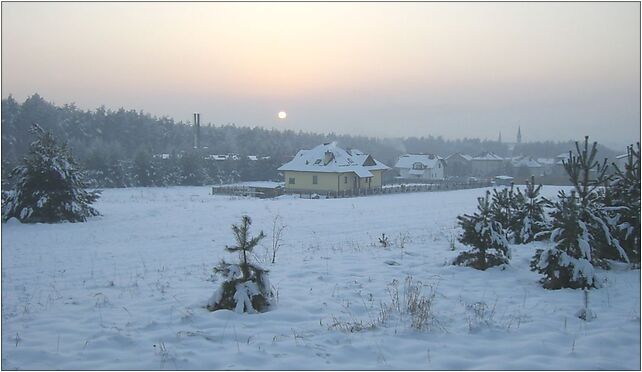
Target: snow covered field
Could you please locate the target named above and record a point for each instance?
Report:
(127, 291)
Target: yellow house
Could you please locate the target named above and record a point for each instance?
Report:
(330, 169)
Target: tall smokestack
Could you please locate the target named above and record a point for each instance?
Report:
(197, 130)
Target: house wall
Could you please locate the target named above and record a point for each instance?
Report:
(458, 166)
(329, 182)
(487, 167)
(429, 173)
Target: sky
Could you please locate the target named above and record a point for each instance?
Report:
(558, 70)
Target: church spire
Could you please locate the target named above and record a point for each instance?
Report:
(500, 137)
(519, 134)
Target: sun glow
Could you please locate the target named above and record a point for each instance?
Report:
(282, 115)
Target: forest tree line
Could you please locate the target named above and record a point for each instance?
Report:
(121, 148)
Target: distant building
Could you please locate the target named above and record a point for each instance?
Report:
(328, 168)
(459, 165)
(526, 166)
(421, 166)
(487, 164)
(558, 168)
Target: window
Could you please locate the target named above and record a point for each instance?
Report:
(345, 179)
(315, 180)
(291, 181)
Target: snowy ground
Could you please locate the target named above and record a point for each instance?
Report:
(127, 290)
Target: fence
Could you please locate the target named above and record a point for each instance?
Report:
(392, 189)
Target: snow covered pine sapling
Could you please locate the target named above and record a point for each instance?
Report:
(49, 187)
(485, 235)
(568, 263)
(531, 214)
(588, 177)
(245, 286)
(504, 206)
(625, 188)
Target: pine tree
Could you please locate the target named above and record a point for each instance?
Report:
(505, 206)
(569, 263)
(485, 235)
(49, 187)
(530, 214)
(245, 287)
(625, 199)
(588, 176)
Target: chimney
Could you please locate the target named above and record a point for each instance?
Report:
(197, 130)
(329, 156)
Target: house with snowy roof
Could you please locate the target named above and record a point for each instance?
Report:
(421, 166)
(459, 165)
(526, 166)
(327, 168)
(487, 164)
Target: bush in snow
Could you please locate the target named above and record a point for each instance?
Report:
(530, 214)
(485, 235)
(245, 286)
(568, 263)
(625, 196)
(49, 187)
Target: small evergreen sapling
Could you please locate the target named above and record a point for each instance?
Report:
(569, 263)
(588, 176)
(49, 186)
(625, 194)
(531, 216)
(505, 206)
(485, 235)
(245, 287)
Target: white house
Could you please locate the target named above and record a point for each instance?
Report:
(421, 166)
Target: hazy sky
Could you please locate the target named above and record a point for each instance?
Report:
(560, 70)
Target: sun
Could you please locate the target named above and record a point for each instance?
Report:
(282, 115)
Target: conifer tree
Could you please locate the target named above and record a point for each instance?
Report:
(625, 196)
(569, 263)
(245, 287)
(588, 176)
(505, 206)
(49, 187)
(486, 236)
(530, 214)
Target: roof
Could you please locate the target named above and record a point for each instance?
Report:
(544, 161)
(406, 161)
(488, 156)
(526, 161)
(330, 158)
(464, 156)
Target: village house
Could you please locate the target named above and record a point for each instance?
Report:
(421, 166)
(526, 166)
(487, 164)
(329, 169)
(459, 165)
